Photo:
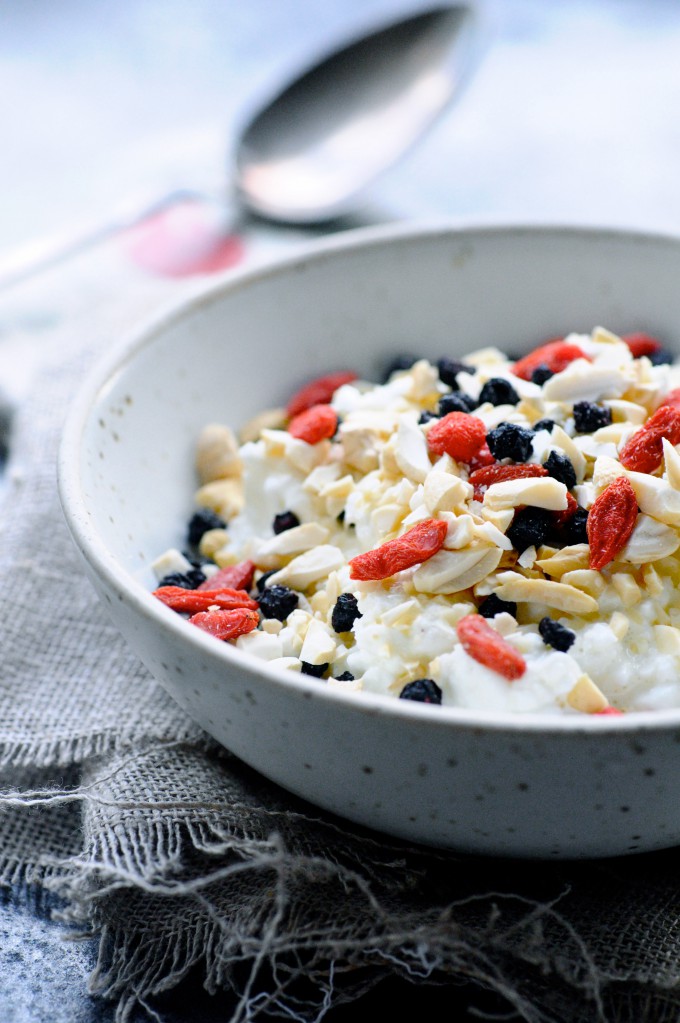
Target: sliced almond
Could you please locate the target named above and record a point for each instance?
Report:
(488, 533)
(563, 441)
(559, 596)
(586, 381)
(386, 518)
(656, 497)
(361, 447)
(540, 492)
(650, 541)
(309, 567)
(460, 532)
(627, 412)
(291, 541)
(411, 451)
(452, 571)
(321, 477)
(569, 559)
(585, 579)
(671, 458)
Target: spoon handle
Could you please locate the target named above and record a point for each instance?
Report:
(40, 255)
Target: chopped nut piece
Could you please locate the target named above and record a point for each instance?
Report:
(318, 646)
(411, 451)
(217, 454)
(569, 559)
(586, 697)
(667, 639)
(291, 541)
(652, 581)
(650, 541)
(627, 589)
(223, 496)
(619, 624)
(671, 463)
(307, 568)
(270, 419)
(585, 579)
(539, 492)
(443, 491)
(211, 541)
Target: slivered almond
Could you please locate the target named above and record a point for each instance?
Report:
(585, 579)
(559, 596)
(619, 624)
(626, 588)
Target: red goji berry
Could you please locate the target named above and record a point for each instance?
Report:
(318, 392)
(483, 643)
(482, 479)
(482, 458)
(555, 355)
(672, 399)
(233, 577)
(642, 344)
(563, 516)
(611, 521)
(609, 712)
(457, 434)
(226, 624)
(314, 424)
(417, 545)
(643, 451)
(179, 599)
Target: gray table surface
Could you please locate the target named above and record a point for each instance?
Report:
(571, 116)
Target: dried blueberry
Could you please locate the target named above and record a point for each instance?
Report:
(541, 374)
(200, 523)
(509, 440)
(457, 401)
(423, 690)
(530, 528)
(544, 424)
(399, 364)
(345, 612)
(278, 602)
(559, 466)
(493, 605)
(346, 676)
(315, 670)
(262, 581)
(499, 392)
(285, 520)
(449, 370)
(425, 417)
(574, 530)
(589, 417)
(661, 358)
(187, 580)
(555, 635)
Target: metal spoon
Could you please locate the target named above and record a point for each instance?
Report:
(312, 150)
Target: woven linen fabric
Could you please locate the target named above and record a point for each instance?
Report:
(181, 858)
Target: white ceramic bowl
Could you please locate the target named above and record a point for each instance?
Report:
(538, 786)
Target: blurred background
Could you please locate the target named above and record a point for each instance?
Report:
(572, 113)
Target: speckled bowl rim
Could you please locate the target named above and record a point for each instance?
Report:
(105, 565)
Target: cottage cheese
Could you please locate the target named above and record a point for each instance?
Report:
(377, 477)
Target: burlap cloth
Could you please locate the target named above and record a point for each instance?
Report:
(181, 858)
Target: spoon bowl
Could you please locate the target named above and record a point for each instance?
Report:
(322, 141)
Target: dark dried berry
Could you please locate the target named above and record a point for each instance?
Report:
(345, 612)
(499, 392)
(661, 358)
(315, 670)
(200, 523)
(346, 676)
(574, 530)
(510, 441)
(425, 417)
(187, 580)
(589, 417)
(278, 602)
(457, 401)
(559, 466)
(449, 370)
(493, 605)
(399, 364)
(530, 528)
(541, 374)
(555, 635)
(423, 690)
(262, 581)
(285, 520)
(544, 424)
